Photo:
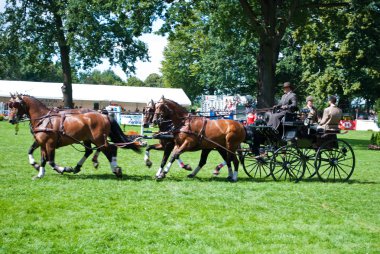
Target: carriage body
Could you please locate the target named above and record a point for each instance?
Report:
(298, 151)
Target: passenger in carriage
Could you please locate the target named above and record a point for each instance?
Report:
(331, 116)
(312, 114)
(288, 103)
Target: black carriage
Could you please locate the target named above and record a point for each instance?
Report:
(297, 151)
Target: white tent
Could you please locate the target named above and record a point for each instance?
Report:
(89, 94)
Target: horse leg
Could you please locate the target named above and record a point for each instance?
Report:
(148, 163)
(32, 162)
(236, 167)
(176, 153)
(221, 165)
(41, 171)
(168, 148)
(111, 153)
(202, 162)
(161, 174)
(50, 156)
(87, 153)
(95, 161)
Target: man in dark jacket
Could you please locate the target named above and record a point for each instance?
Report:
(288, 103)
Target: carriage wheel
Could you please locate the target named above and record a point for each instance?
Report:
(309, 158)
(287, 163)
(335, 160)
(257, 167)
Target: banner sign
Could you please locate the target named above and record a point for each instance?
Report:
(135, 119)
(347, 125)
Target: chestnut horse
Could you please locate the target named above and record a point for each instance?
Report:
(165, 144)
(35, 144)
(53, 130)
(192, 133)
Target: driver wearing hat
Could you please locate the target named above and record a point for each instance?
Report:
(288, 103)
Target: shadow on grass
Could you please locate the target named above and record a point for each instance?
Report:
(331, 181)
(139, 178)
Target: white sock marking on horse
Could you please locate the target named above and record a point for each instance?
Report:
(229, 171)
(159, 171)
(146, 156)
(113, 164)
(167, 168)
(41, 172)
(235, 176)
(196, 170)
(31, 159)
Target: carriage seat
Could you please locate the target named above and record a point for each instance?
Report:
(291, 119)
(324, 133)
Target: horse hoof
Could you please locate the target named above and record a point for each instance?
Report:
(190, 175)
(148, 163)
(95, 164)
(216, 172)
(36, 178)
(76, 170)
(187, 167)
(118, 172)
(160, 176)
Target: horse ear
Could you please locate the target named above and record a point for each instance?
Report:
(12, 96)
(162, 97)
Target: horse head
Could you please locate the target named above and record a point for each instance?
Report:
(162, 112)
(148, 112)
(17, 108)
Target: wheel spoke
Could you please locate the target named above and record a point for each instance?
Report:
(342, 169)
(326, 170)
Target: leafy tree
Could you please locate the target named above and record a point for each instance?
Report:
(134, 81)
(198, 60)
(107, 77)
(266, 21)
(340, 53)
(80, 32)
(154, 80)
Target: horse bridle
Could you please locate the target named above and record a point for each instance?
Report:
(17, 105)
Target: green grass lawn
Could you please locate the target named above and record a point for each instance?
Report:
(93, 212)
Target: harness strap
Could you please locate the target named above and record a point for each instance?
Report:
(61, 127)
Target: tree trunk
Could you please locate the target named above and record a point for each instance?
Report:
(267, 58)
(64, 49)
(67, 89)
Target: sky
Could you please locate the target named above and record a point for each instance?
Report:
(156, 45)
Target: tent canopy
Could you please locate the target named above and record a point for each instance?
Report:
(83, 92)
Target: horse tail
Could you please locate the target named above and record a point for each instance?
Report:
(117, 136)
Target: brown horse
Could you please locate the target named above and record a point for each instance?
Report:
(77, 168)
(165, 144)
(52, 130)
(192, 133)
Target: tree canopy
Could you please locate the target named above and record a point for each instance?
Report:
(215, 47)
(81, 33)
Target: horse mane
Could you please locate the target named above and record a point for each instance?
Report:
(182, 110)
(35, 99)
